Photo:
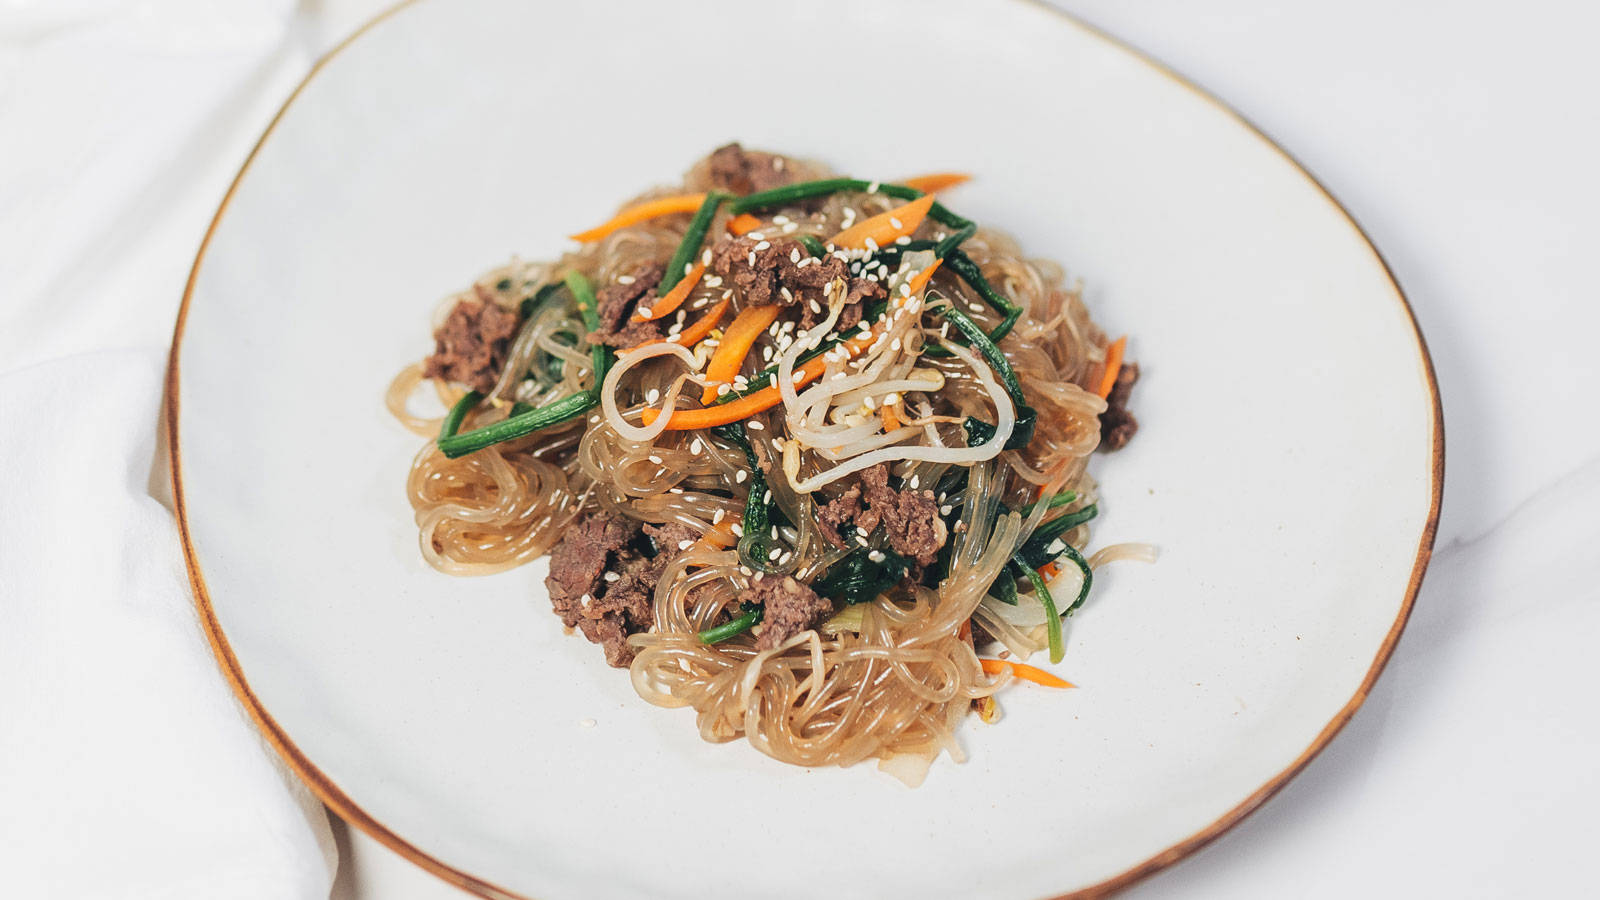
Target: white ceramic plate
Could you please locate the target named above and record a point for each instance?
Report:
(1288, 466)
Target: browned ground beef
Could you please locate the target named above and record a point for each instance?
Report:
(470, 347)
(1117, 425)
(742, 171)
(763, 275)
(910, 518)
(617, 303)
(789, 608)
(604, 608)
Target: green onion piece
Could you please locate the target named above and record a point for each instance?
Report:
(962, 264)
(518, 408)
(689, 247)
(749, 620)
(458, 412)
(563, 410)
(600, 355)
(1052, 619)
(1088, 578)
(953, 240)
(812, 245)
(544, 293)
(805, 190)
(1061, 499)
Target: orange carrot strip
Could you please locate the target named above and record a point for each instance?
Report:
(882, 229)
(1024, 672)
(1049, 570)
(890, 420)
(639, 212)
(676, 296)
(742, 224)
(1113, 366)
(764, 399)
(934, 182)
(921, 279)
(691, 335)
(736, 343)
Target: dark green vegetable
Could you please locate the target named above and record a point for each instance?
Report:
(857, 578)
(1088, 578)
(750, 619)
(518, 408)
(755, 545)
(503, 284)
(545, 292)
(1007, 587)
(805, 190)
(589, 310)
(1052, 619)
(812, 245)
(1022, 432)
(954, 239)
(1035, 551)
(458, 412)
(563, 410)
(1061, 499)
(689, 247)
(963, 266)
(527, 421)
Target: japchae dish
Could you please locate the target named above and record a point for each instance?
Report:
(807, 453)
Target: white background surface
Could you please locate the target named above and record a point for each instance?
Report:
(1463, 137)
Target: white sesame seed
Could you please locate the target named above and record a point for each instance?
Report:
(781, 219)
(675, 490)
(903, 240)
(776, 552)
(867, 402)
(718, 516)
(713, 280)
(752, 257)
(767, 497)
(896, 223)
(774, 532)
(785, 294)
(755, 236)
(975, 307)
(915, 479)
(655, 459)
(613, 577)
(794, 255)
(784, 559)
(740, 476)
(644, 312)
(705, 257)
(872, 188)
(890, 399)
(799, 378)
(685, 544)
(722, 390)
(945, 510)
(652, 396)
(625, 279)
(586, 599)
(876, 556)
(738, 530)
(756, 426)
(746, 571)
(861, 540)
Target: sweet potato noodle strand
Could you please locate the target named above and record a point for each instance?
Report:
(892, 684)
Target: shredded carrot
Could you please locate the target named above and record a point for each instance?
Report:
(676, 296)
(1049, 570)
(884, 228)
(764, 399)
(1024, 672)
(965, 631)
(1113, 366)
(934, 182)
(890, 420)
(921, 279)
(742, 224)
(736, 343)
(693, 334)
(639, 212)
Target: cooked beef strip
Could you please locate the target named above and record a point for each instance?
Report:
(607, 611)
(617, 303)
(1117, 425)
(910, 518)
(761, 276)
(789, 608)
(742, 171)
(470, 347)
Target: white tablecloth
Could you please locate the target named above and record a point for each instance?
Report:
(1464, 136)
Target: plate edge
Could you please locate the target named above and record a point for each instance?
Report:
(332, 796)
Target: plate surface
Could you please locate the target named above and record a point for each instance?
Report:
(1288, 467)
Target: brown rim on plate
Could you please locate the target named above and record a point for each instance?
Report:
(335, 798)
